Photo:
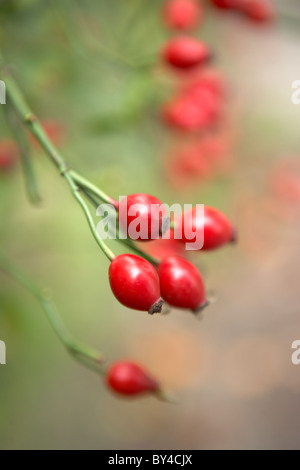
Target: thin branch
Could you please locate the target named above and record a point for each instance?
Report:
(26, 159)
(90, 357)
(74, 180)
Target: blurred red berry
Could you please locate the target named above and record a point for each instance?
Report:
(183, 114)
(191, 162)
(218, 152)
(181, 283)
(134, 282)
(198, 106)
(8, 155)
(143, 214)
(285, 182)
(209, 103)
(224, 4)
(210, 80)
(187, 114)
(182, 14)
(187, 164)
(217, 229)
(127, 378)
(259, 11)
(186, 52)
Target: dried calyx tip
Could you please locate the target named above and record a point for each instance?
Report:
(202, 307)
(156, 308)
(234, 238)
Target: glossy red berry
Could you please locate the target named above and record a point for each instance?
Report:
(135, 283)
(141, 216)
(182, 14)
(128, 378)
(8, 155)
(181, 283)
(217, 229)
(186, 52)
(259, 11)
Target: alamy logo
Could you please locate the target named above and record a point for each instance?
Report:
(296, 93)
(134, 224)
(2, 352)
(296, 354)
(2, 92)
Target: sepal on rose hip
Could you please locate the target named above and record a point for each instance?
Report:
(182, 14)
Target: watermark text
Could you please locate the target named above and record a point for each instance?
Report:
(139, 223)
(2, 353)
(296, 94)
(2, 92)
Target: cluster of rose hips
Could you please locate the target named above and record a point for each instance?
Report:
(199, 159)
(141, 285)
(197, 107)
(259, 11)
(197, 110)
(135, 282)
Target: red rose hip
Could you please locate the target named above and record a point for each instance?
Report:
(224, 4)
(186, 52)
(184, 114)
(135, 283)
(217, 229)
(127, 378)
(141, 216)
(182, 14)
(259, 11)
(181, 283)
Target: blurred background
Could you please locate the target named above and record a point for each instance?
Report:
(92, 71)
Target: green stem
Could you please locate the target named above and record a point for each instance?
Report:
(86, 184)
(76, 193)
(74, 180)
(21, 139)
(128, 242)
(125, 241)
(30, 120)
(82, 353)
